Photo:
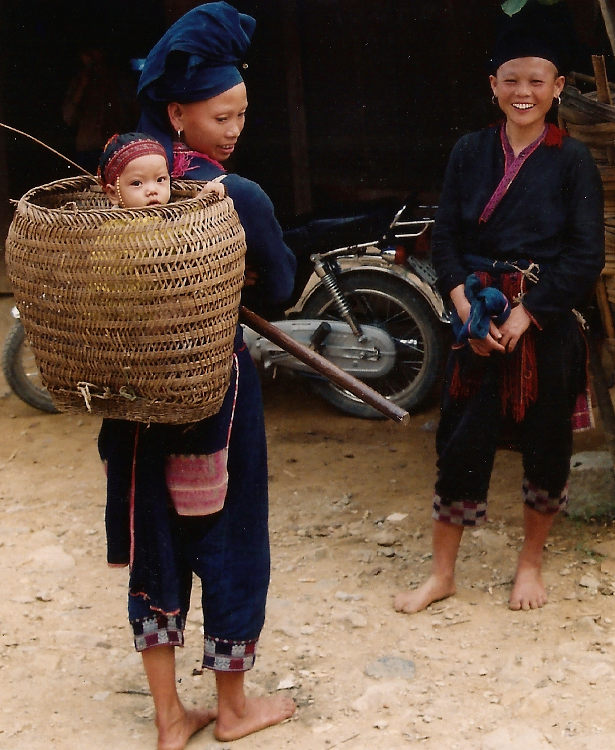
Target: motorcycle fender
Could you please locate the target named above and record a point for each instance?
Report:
(372, 357)
(423, 286)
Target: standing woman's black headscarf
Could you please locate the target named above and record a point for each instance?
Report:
(537, 30)
(195, 59)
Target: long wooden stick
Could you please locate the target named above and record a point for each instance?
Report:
(323, 366)
(42, 143)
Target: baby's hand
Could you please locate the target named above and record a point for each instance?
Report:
(212, 187)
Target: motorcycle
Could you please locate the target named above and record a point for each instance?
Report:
(20, 368)
(364, 298)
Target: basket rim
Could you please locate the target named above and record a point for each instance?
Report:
(92, 182)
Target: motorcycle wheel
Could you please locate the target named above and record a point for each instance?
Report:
(378, 300)
(21, 372)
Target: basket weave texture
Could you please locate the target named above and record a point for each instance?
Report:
(130, 313)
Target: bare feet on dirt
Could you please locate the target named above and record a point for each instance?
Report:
(433, 590)
(528, 590)
(176, 736)
(258, 714)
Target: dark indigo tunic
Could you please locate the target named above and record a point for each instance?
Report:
(552, 214)
(229, 549)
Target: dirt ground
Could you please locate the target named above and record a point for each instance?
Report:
(350, 521)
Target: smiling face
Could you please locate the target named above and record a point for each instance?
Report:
(144, 182)
(525, 88)
(212, 126)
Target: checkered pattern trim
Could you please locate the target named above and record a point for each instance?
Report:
(539, 499)
(158, 630)
(229, 656)
(459, 512)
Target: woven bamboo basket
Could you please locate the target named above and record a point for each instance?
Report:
(130, 313)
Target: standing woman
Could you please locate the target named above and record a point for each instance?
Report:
(193, 100)
(520, 214)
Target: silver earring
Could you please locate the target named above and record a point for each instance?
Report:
(179, 135)
(494, 99)
(558, 99)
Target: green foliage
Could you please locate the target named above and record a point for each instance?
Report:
(510, 7)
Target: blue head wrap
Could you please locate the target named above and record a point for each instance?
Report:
(195, 59)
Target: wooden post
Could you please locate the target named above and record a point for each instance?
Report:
(302, 193)
(602, 85)
(607, 7)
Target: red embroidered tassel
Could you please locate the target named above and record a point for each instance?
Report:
(554, 136)
(518, 376)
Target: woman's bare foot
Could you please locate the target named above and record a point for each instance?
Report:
(258, 713)
(528, 590)
(175, 736)
(434, 589)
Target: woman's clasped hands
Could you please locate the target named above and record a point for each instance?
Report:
(502, 339)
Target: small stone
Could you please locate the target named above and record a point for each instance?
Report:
(589, 582)
(385, 539)
(344, 597)
(386, 551)
(286, 683)
(389, 667)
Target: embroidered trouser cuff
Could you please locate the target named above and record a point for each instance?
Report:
(541, 501)
(474, 513)
(459, 512)
(229, 656)
(158, 630)
(219, 654)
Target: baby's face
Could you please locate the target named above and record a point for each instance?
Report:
(144, 182)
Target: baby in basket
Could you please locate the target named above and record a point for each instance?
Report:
(134, 172)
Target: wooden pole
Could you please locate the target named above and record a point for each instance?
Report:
(602, 85)
(323, 366)
(300, 166)
(607, 8)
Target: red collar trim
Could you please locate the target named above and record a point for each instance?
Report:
(553, 137)
(182, 159)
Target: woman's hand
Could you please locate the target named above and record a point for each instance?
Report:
(517, 324)
(482, 347)
(491, 342)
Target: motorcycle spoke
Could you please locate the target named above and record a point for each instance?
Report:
(382, 303)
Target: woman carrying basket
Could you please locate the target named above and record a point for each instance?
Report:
(193, 100)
